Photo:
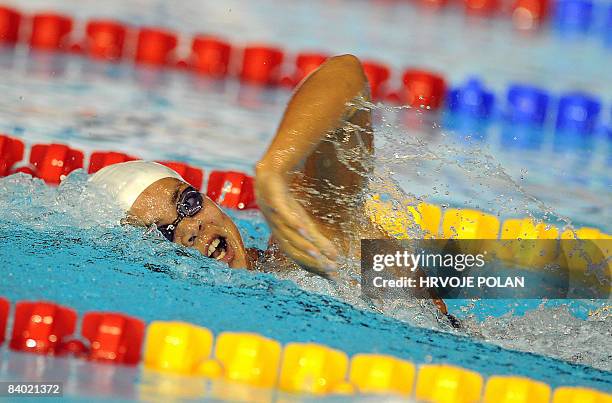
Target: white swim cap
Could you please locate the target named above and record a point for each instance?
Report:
(127, 180)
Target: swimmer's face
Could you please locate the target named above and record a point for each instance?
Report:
(210, 231)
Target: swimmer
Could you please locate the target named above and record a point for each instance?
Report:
(310, 184)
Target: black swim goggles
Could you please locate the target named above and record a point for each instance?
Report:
(189, 203)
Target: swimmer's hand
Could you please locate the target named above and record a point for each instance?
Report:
(294, 230)
(317, 108)
(441, 305)
(454, 322)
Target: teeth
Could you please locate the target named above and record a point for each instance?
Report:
(213, 246)
(221, 255)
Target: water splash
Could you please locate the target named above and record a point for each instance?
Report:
(554, 331)
(74, 215)
(411, 154)
(417, 162)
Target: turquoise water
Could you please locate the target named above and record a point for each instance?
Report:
(70, 254)
(62, 244)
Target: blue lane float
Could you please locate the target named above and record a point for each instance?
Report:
(578, 112)
(472, 98)
(573, 16)
(527, 104)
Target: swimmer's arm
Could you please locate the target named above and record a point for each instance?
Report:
(318, 106)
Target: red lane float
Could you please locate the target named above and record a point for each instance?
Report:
(377, 74)
(24, 170)
(210, 56)
(50, 31)
(192, 175)
(53, 162)
(11, 152)
(483, 7)
(261, 65)
(155, 46)
(231, 189)
(105, 39)
(306, 63)
(10, 21)
(434, 3)
(75, 348)
(101, 159)
(423, 89)
(39, 327)
(5, 306)
(527, 14)
(114, 337)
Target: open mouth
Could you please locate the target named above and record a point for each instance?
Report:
(218, 248)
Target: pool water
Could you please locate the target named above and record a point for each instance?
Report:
(61, 247)
(62, 244)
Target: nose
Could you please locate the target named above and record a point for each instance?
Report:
(188, 231)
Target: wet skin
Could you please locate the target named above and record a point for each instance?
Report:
(210, 231)
(157, 206)
(314, 116)
(299, 157)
